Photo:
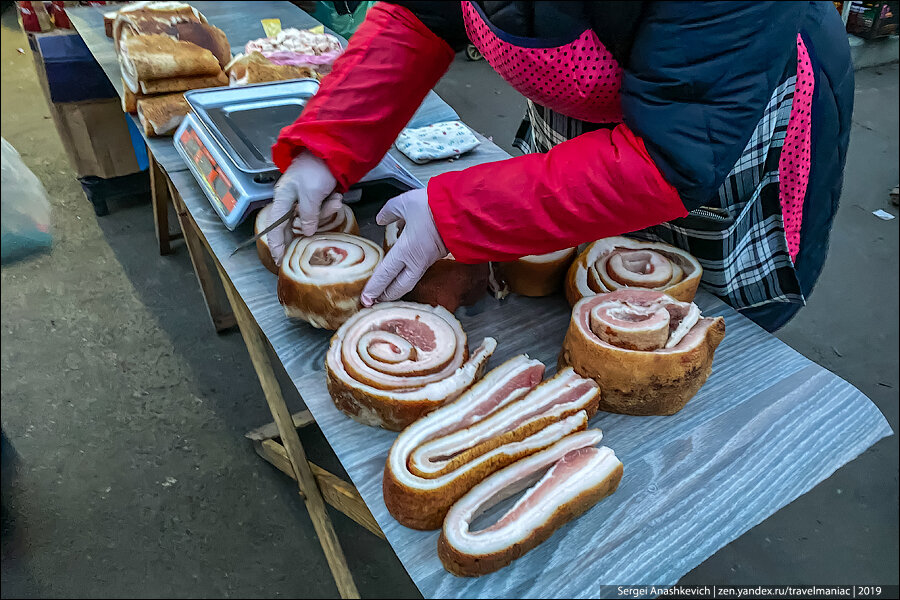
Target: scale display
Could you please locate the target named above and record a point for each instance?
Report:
(226, 143)
(217, 183)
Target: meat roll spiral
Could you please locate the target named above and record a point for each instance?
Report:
(649, 353)
(343, 221)
(620, 262)
(390, 364)
(322, 276)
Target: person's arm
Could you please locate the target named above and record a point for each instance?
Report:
(599, 184)
(376, 85)
(698, 78)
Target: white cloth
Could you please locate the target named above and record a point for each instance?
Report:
(436, 142)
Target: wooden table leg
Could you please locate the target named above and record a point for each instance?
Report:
(159, 197)
(216, 302)
(306, 480)
(338, 493)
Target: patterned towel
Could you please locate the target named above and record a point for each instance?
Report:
(436, 142)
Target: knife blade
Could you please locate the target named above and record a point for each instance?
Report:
(252, 240)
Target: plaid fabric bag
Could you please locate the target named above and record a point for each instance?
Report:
(741, 242)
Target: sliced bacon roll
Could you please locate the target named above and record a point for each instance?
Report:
(343, 221)
(571, 476)
(536, 275)
(446, 283)
(620, 262)
(390, 364)
(321, 277)
(501, 419)
(649, 353)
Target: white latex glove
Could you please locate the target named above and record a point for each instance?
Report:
(307, 183)
(418, 247)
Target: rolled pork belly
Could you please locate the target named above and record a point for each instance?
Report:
(571, 476)
(620, 262)
(344, 221)
(322, 276)
(183, 84)
(446, 283)
(649, 353)
(158, 56)
(149, 17)
(161, 115)
(392, 363)
(501, 419)
(536, 275)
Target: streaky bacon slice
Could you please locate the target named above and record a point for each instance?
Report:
(572, 475)
(392, 363)
(498, 421)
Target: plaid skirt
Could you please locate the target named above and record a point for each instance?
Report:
(740, 242)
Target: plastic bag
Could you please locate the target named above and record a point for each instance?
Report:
(24, 209)
(344, 25)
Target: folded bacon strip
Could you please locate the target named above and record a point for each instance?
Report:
(446, 283)
(536, 275)
(620, 262)
(343, 221)
(572, 475)
(501, 419)
(392, 363)
(321, 277)
(649, 353)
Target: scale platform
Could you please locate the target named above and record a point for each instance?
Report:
(226, 142)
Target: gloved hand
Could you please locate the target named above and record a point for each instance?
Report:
(306, 183)
(418, 246)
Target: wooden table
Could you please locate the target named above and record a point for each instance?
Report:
(768, 426)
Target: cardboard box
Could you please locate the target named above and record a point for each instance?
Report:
(95, 136)
(94, 131)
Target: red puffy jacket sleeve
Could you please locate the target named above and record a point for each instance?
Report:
(375, 87)
(596, 185)
(599, 184)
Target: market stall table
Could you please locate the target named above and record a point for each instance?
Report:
(768, 426)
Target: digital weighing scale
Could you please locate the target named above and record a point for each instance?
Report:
(226, 143)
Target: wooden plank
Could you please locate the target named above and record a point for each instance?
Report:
(315, 504)
(217, 305)
(337, 492)
(159, 197)
(270, 430)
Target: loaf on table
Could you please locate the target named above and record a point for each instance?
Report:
(161, 115)
(536, 275)
(150, 57)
